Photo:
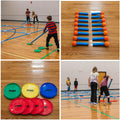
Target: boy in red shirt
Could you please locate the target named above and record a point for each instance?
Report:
(104, 88)
(52, 28)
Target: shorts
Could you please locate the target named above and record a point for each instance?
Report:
(75, 86)
(105, 90)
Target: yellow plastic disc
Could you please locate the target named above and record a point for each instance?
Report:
(30, 90)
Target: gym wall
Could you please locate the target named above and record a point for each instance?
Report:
(82, 69)
(15, 10)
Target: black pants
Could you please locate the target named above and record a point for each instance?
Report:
(36, 17)
(93, 91)
(55, 38)
(28, 19)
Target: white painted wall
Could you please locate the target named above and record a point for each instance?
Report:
(82, 69)
(15, 10)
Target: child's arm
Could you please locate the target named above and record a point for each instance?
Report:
(44, 29)
(89, 81)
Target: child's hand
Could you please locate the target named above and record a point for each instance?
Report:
(89, 84)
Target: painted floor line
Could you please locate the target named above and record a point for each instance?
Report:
(48, 54)
(14, 55)
(95, 110)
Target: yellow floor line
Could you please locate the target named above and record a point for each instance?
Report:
(14, 55)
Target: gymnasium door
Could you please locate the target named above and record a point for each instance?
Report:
(101, 76)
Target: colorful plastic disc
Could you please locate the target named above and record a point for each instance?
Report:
(48, 107)
(12, 91)
(41, 48)
(30, 106)
(17, 106)
(48, 90)
(30, 90)
(38, 106)
(50, 44)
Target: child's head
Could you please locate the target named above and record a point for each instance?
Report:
(68, 78)
(27, 9)
(49, 18)
(33, 13)
(75, 79)
(94, 69)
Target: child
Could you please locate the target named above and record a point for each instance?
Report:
(92, 82)
(52, 28)
(104, 88)
(68, 83)
(27, 15)
(34, 16)
(75, 84)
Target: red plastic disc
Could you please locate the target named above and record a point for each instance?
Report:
(38, 106)
(30, 106)
(48, 107)
(17, 106)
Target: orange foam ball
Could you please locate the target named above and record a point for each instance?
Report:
(75, 38)
(77, 16)
(75, 32)
(102, 12)
(104, 28)
(74, 43)
(102, 16)
(76, 19)
(77, 12)
(103, 20)
(106, 38)
(76, 28)
(76, 23)
(103, 24)
(105, 32)
(107, 44)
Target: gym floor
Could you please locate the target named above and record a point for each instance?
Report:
(22, 72)
(75, 105)
(111, 10)
(17, 47)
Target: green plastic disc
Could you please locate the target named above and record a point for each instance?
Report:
(12, 91)
(50, 44)
(37, 50)
(41, 48)
(29, 43)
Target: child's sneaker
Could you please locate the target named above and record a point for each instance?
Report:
(47, 48)
(95, 103)
(109, 103)
(58, 50)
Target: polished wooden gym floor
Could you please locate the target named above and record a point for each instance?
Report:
(111, 10)
(17, 48)
(22, 72)
(72, 108)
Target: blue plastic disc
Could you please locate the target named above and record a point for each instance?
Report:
(48, 90)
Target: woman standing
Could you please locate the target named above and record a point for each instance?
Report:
(93, 82)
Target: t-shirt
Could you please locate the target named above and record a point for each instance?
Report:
(93, 77)
(27, 13)
(68, 82)
(104, 82)
(75, 83)
(52, 28)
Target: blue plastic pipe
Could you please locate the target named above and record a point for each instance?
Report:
(99, 20)
(81, 16)
(79, 20)
(99, 44)
(83, 13)
(82, 44)
(83, 33)
(97, 29)
(82, 38)
(83, 29)
(97, 33)
(95, 13)
(93, 17)
(97, 24)
(82, 24)
(98, 38)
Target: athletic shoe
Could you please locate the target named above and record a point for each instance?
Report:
(95, 103)
(109, 103)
